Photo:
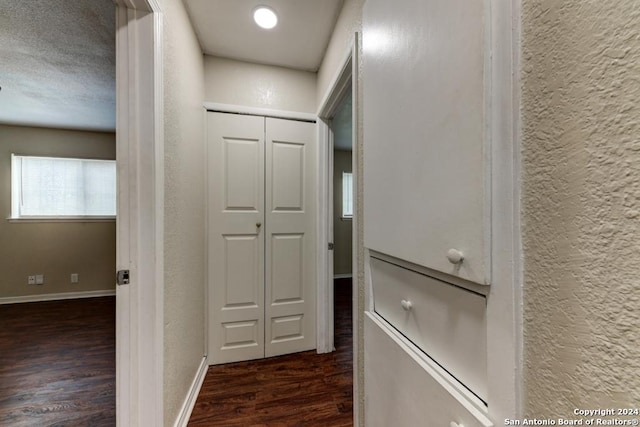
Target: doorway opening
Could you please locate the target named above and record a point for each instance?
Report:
(57, 296)
(341, 218)
(338, 220)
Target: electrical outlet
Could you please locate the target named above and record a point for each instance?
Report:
(39, 279)
(74, 278)
(31, 280)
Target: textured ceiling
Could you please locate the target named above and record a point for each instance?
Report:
(57, 65)
(226, 28)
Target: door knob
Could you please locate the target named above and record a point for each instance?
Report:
(455, 424)
(455, 256)
(258, 224)
(406, 305)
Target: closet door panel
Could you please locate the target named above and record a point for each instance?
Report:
(235, 240)
(288, 176)
(290, 224)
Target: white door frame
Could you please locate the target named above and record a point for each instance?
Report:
(140, 160)
(345, 78)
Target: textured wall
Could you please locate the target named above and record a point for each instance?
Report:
(254, 85)
(184, 221)
(581, 204)
(55, 249)
(350, 22)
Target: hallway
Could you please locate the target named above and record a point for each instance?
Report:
(298, 389)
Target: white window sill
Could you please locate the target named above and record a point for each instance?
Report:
(64, 219)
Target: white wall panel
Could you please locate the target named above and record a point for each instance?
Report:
(424, 133)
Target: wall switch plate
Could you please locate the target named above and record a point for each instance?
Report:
(39, 279)
(31, 280)
(74, 277)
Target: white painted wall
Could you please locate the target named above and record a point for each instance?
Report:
(581, 204)
(184, 219)
(349, 22)
(228, 81)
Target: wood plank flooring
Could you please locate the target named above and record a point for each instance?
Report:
(303, 389)
(57, 363)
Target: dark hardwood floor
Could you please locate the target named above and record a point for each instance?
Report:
(304, 389)
(57, 363)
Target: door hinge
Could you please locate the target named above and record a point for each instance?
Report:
(122, 277)
(331, 246)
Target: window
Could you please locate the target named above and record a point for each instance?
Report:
(347, 195)
(62, 187)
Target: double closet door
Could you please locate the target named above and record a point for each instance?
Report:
(261, 226)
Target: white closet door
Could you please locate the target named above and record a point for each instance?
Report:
(290, 314)
(236, 237)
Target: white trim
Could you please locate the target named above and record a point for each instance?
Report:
(358, 417)
(504, 312)
(63, 219)
(192, 396)
(57, 297)
(335, 94)
(324, 323)
(256, 111)
(343, 276)
(341, 80)
(139, 225)
(207, 270)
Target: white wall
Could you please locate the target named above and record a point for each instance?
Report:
(349, 22)
(581, 205)
(228, 81)
(184, 219)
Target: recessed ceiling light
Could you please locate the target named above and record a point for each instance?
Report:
(265, 17)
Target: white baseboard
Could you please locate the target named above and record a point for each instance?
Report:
(56, 297)
(194, 391)
(343, 276)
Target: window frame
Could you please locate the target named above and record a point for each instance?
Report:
(343, 216)
(16, 193)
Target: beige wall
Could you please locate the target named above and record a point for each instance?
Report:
(53, 249)
(349, 22)
(342, 228)
(228, 81)
(581, 204)
(184, 221)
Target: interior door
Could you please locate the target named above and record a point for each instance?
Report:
(236, 237)
(290, 310)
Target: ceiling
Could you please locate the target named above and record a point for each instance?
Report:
(58, 64)
(226, 28)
